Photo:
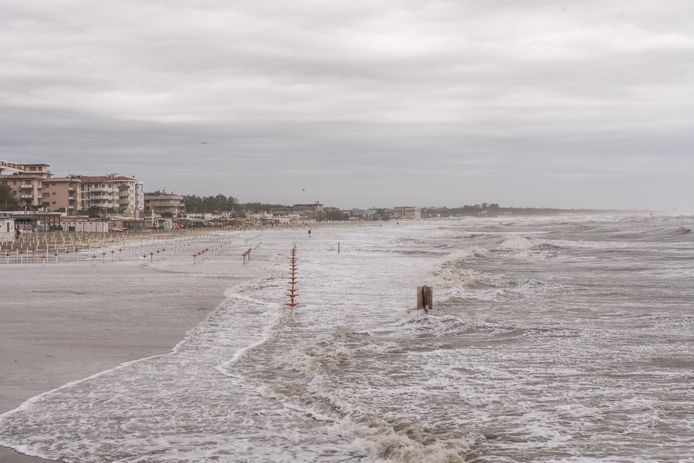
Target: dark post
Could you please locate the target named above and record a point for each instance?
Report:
(425, 298)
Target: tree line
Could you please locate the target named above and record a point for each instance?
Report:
(221, 203)
(202, 204)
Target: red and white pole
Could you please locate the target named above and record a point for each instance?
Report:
(293, 281)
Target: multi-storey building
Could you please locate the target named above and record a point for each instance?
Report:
(25, 182)
(100, 193)
(406, 212)
(63, 194)
(34, 187)
(140, 196)
(163, 203)
(113, 193)
(308, 210)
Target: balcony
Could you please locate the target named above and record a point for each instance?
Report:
(26, 196)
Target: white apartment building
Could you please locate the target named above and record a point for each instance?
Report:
(113, 192)
(100, 193)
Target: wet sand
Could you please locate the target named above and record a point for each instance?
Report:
(64, 322)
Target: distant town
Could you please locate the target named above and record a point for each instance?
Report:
(33, 199)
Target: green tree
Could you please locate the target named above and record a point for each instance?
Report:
(201, 204)
(7, 200)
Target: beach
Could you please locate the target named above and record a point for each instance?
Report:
(63, 322)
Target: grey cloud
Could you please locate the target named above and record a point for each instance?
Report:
(534, 102)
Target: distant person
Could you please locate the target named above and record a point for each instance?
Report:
(17, 232)
(309, 232)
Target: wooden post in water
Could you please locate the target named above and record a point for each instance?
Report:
(425, 298)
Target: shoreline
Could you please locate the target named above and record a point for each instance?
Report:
(72, 330)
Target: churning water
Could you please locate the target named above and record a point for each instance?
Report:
(552, 340)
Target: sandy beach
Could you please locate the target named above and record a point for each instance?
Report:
(64, 322)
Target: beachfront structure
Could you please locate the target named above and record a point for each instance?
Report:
(84, 225)
(25, 182)
(130, 196)
(139, 196)
(7, 231)
(163, 203)
(62, 194)
(114, 193)
(308, 210)
(405, 212)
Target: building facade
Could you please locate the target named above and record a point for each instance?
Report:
(163, 203)
(310, 211)
(140, 197)
(100, 193)
(34, 188)
(25, 182)
(75, 224)
(62, 194)
(7, 231)
(405, 212)
(115, 193)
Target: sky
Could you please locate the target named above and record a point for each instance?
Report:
(360, 103)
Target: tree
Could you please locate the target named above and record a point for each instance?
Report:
(220, 203)
(7, 200)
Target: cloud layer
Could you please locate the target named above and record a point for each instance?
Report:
(360, 103)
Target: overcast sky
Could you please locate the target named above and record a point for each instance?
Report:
(360, 103)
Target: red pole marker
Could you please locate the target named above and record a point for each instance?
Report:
(293, 281)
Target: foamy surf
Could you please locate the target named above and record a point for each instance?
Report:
(570, 342)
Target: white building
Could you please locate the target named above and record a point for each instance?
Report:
(7, 230)
(139, 196)
(162, 203)
(84, 226)
(113, 192)
(405, 212)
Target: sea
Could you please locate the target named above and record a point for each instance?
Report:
(552, 339)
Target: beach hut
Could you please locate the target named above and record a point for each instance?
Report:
(7, 230)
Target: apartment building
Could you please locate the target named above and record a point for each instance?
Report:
(131, 195)
(25, 182)
(163, 203)
(113, 193)
(308, 210)
(405, 212)
(100, 193)
(63, 194)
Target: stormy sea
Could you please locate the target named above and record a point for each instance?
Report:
(553, 339)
